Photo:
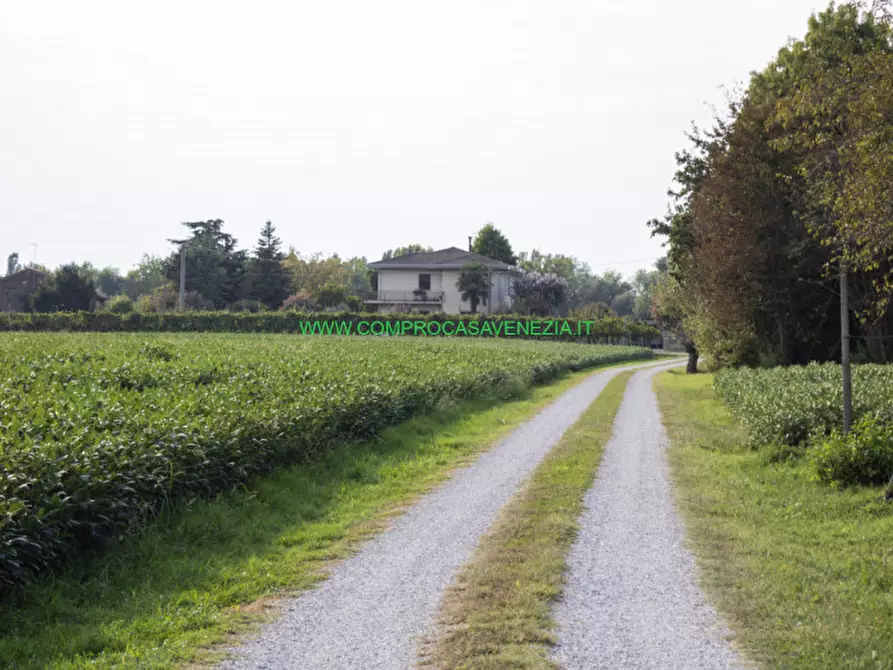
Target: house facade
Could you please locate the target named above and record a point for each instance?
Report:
(15, 289)
(426, 282)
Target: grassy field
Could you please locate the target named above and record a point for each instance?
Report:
(803, 572)
(498, 615)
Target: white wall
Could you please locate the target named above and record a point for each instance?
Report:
(406, 281)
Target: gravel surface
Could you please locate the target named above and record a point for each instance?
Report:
(375, 605)
(632, 599)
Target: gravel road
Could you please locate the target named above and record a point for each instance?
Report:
(374, 606)
(632, 599)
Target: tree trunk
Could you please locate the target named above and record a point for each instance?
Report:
(692, 351)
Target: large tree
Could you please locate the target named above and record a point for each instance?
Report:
(490, 242)
(267, 279)
(215, 269)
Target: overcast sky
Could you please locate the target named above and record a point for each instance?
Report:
(360, 126)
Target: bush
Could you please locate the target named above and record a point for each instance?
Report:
(252, 306)
(119, 304)
(864, 456)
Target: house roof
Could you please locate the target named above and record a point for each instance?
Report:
(444, 259)
(18, 276)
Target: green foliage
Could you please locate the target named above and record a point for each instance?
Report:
(266, 278)
(120, 304)
(215, 269)
(68, 289)
(102, 432)
(789, 405)
(864, 456)
(490, 242)
(164, 299)
(331, 294)
(148, 275)
(474, 284)
(414, 248)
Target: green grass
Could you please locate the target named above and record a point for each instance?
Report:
(498, 613)
(194, 581)
(803, 572)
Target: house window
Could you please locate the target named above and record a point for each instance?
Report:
(424, 282)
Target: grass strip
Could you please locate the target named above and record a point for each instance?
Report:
(194, 581)
(802, 572)
(498, 613)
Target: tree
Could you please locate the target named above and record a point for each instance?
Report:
(405, 251)
(358, 276)
(69, 289)
(215, 269)
(311, 273)
(490, 242)
(331, 294)
(474, 284)
(644, 282)
(267, 279)
(538, 293)
(671, 311)
(12, 264)
(148, 275)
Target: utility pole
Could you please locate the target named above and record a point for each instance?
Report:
(845, 350)
(181, 302)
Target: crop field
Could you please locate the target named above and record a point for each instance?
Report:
(98, 432)
(787, 405)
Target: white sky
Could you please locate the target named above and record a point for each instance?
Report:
(360, 126)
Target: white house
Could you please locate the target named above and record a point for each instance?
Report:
(426, 283)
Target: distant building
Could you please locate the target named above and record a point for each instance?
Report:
(426, 282)
(15, 289)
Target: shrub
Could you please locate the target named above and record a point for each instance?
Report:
(252, 306)
(298, 302)
(119, 304)
(864, 456)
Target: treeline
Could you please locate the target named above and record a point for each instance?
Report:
(221, 276)
(607, 330)
(789, 191)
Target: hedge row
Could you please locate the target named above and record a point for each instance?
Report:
(605, 331)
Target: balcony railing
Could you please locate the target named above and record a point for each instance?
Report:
(406, 297)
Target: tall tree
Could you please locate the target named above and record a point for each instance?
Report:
(267, 278)
(215, 269)
(490, 242)
(474, 284)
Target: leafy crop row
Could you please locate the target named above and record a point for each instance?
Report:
(99, 432)
(788, 405)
